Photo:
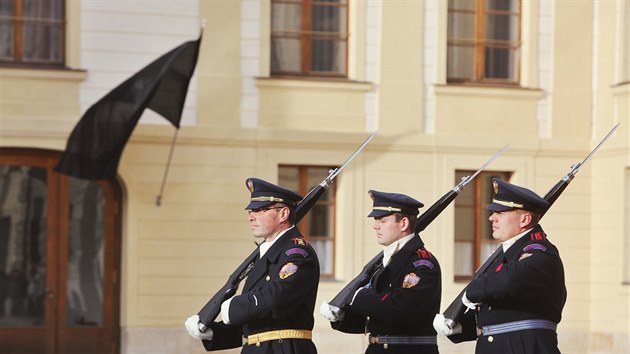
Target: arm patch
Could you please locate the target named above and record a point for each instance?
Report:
(534, 246)
(423, 262)
(300, 251)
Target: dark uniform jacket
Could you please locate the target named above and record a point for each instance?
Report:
(279, 293)
(403, 299)
(525, 283)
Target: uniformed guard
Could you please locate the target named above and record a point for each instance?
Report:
(274, 313)
(397, 306)
(516, 305)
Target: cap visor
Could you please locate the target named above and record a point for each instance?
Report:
(498, 207)
(379, 213)
(257, 205)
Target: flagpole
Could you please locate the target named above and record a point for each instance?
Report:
(158, 201)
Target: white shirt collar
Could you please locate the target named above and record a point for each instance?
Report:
(390, 250)
(510, 242)
(265, 246)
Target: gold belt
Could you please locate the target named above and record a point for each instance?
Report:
(279, 334)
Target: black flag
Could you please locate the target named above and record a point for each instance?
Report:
(97, 141)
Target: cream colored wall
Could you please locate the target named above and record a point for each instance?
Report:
(324, 106)
(40, 102)
(607, 294)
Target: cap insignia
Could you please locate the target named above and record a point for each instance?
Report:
(250, 185)
(287, 270)
(495, 185)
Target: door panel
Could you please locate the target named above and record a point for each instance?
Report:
(59, 258)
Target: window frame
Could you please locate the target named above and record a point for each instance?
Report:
(480, 216)
(303, 225)
(306, 34)
(480, 43)
(17, 22)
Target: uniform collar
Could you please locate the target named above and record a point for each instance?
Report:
(265, 246)
(510, 242)
(393, 248)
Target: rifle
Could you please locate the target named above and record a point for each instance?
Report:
(344, 297)
(211, 309)
(456, 309)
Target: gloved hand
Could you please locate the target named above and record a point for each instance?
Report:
(468, 303)
(439, 323)
(330, 312)
(192, 326)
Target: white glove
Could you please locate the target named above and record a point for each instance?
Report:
(330, 312)
(439, 323)
(225, 311)
(471, 305)
(192, 326)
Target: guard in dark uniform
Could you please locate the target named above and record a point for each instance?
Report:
(516, 305)
(274, 313)
(397, 306)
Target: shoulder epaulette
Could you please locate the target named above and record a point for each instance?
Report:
(424, 256)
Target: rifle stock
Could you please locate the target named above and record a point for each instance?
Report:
(211, 309)
(344, 297)
(456, 309)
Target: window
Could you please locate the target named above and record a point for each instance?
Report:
(483, 41)
(473, 233)
(32, 32)
(309, 37)
(318, 226)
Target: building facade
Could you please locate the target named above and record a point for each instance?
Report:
(285, 91)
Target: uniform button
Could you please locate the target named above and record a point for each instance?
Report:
(489, 308)
(385, 346)
(268, 278)
(490, 339)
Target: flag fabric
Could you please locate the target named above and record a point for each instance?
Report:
(95, 145)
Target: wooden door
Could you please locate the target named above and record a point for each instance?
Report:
(59, 258)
